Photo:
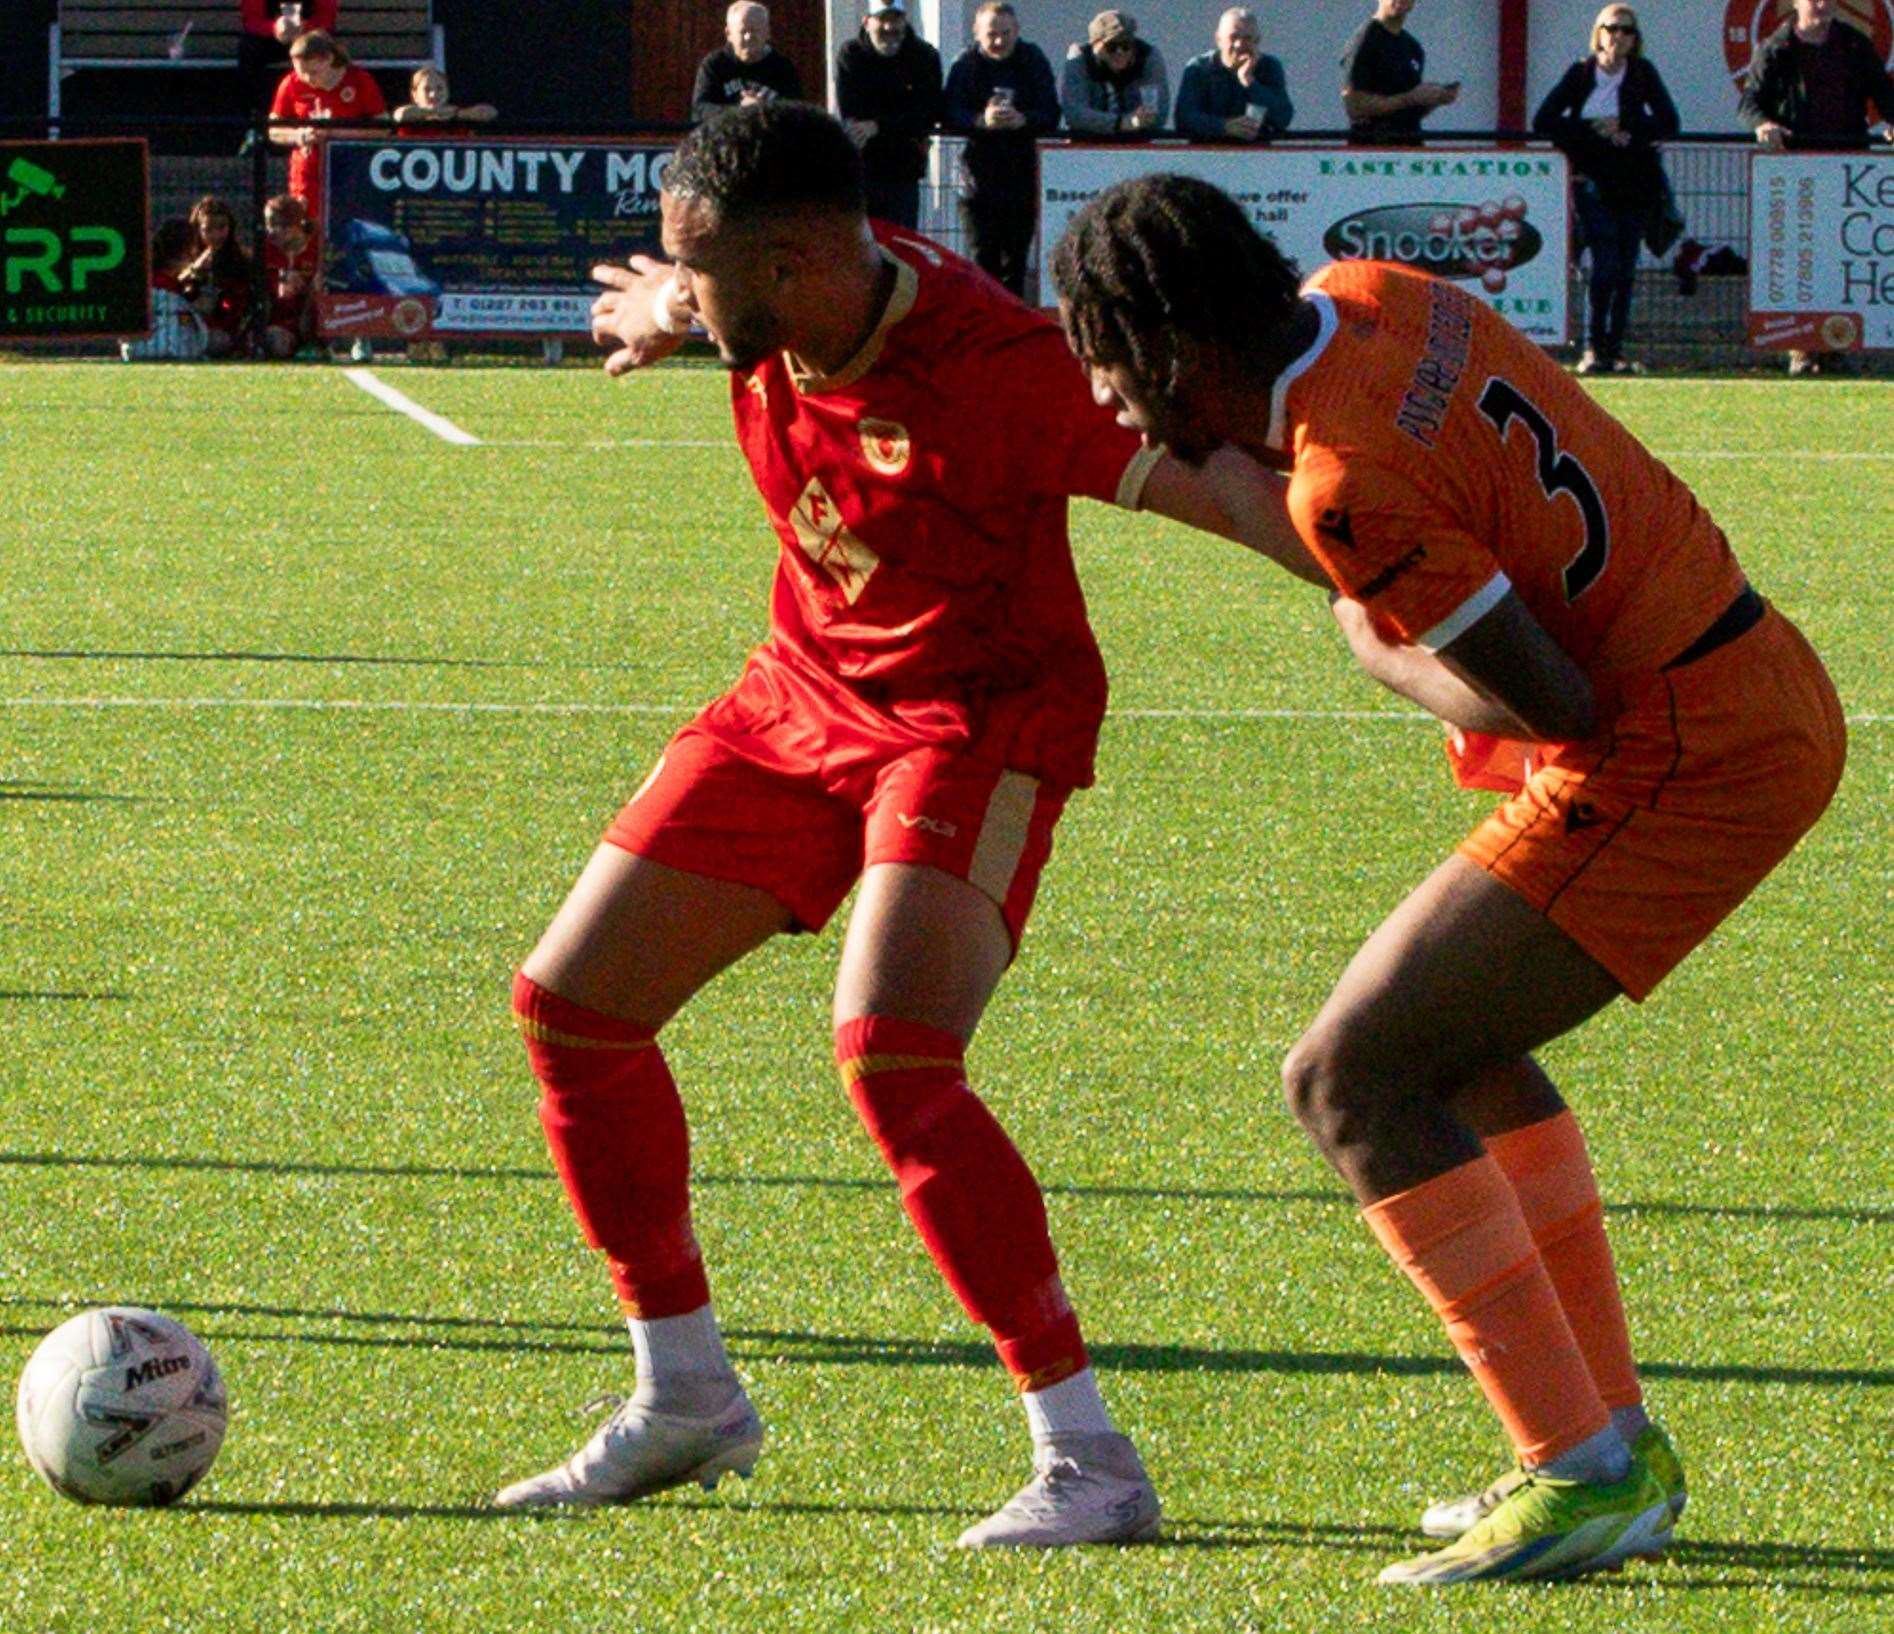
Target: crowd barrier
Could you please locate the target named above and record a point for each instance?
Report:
(1691, 307)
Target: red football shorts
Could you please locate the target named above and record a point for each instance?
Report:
(1639, 844)
(798, 807)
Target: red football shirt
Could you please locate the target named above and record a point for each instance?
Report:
(920, 494)
(355, 96)
(278, 263)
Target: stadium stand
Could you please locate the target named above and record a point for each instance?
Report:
(203, 33)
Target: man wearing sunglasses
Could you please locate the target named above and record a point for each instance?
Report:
(1115, 84)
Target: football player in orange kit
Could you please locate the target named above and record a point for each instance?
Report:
(1513, 560)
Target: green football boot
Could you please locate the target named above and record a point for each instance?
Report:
(1452, 1516)
(1546, 1527)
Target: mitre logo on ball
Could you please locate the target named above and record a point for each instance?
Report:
(1747, 23)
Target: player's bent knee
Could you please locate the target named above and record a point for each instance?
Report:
(1337, 1102)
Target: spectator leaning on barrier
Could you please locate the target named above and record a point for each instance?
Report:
(1000, 96)
(434, 105)
(1384, 93)
(747, 68)
(1811, 82)
(1606, 115)
(1115, 84)
(268, 27)
(888, 93)
(1234, 93)
(322, 92)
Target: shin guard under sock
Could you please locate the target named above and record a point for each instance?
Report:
(616, 1129)
(966, 1188)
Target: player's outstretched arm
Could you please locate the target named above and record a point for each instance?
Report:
(641, 313)
(1234, 497)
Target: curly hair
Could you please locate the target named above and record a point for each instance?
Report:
(1162, 257)
(766, 158)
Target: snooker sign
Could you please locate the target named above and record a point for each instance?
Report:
(1496, 220)
(74, 256)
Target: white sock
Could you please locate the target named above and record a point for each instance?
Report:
(674, 1348)
(1071, 1407)
(1602, 1458)
(1630, 1422)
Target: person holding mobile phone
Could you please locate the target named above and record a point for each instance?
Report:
(1385, 92)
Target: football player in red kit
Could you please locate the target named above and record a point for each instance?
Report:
(929, 695)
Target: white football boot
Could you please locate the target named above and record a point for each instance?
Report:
(1085, 1489)
(639, 1451)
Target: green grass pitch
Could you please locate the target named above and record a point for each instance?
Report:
(307, 719)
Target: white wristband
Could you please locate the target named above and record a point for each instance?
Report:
(663, 311)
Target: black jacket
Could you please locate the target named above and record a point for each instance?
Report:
(722, 79)
(1627, 178)
(1006, 160)
(901, 94)
(1774, 89)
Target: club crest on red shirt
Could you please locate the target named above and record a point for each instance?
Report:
(886, 446)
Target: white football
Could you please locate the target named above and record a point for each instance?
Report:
(121, 1406)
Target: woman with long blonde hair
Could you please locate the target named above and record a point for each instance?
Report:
(1607, 115)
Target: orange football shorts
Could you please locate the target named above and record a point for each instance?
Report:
(1639, 842)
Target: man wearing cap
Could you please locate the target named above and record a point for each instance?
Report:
(1234, 92)
(747, 69)
(1114, 83)
(888, 93)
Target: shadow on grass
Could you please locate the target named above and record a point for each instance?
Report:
(375, 1511)
(1324, 1196)
(790, 1347)
(67, 796)
(28, 995)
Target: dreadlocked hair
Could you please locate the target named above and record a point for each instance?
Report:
(768, 157)
(1163, 258)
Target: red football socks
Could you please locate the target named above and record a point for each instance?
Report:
(616, 1128)
(967, 1190)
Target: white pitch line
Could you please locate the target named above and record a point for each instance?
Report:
(401, 403)
(426, 706)
(615, 442)
(1769, 454)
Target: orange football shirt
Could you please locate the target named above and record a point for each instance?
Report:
(1441, 458)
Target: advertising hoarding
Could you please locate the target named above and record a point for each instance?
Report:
(75, 261)
(1821, 252)
(446, 237)
(1496, 220)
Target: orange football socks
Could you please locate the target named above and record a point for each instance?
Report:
(1551, 1174)
(1463, 1241)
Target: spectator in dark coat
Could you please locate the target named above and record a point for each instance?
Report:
(1114, 83)
(888, 93)
(747, 68)
(1234, 93)
(1607, 116)
(1000, 96)
(1811, 82)
(1384, 92)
